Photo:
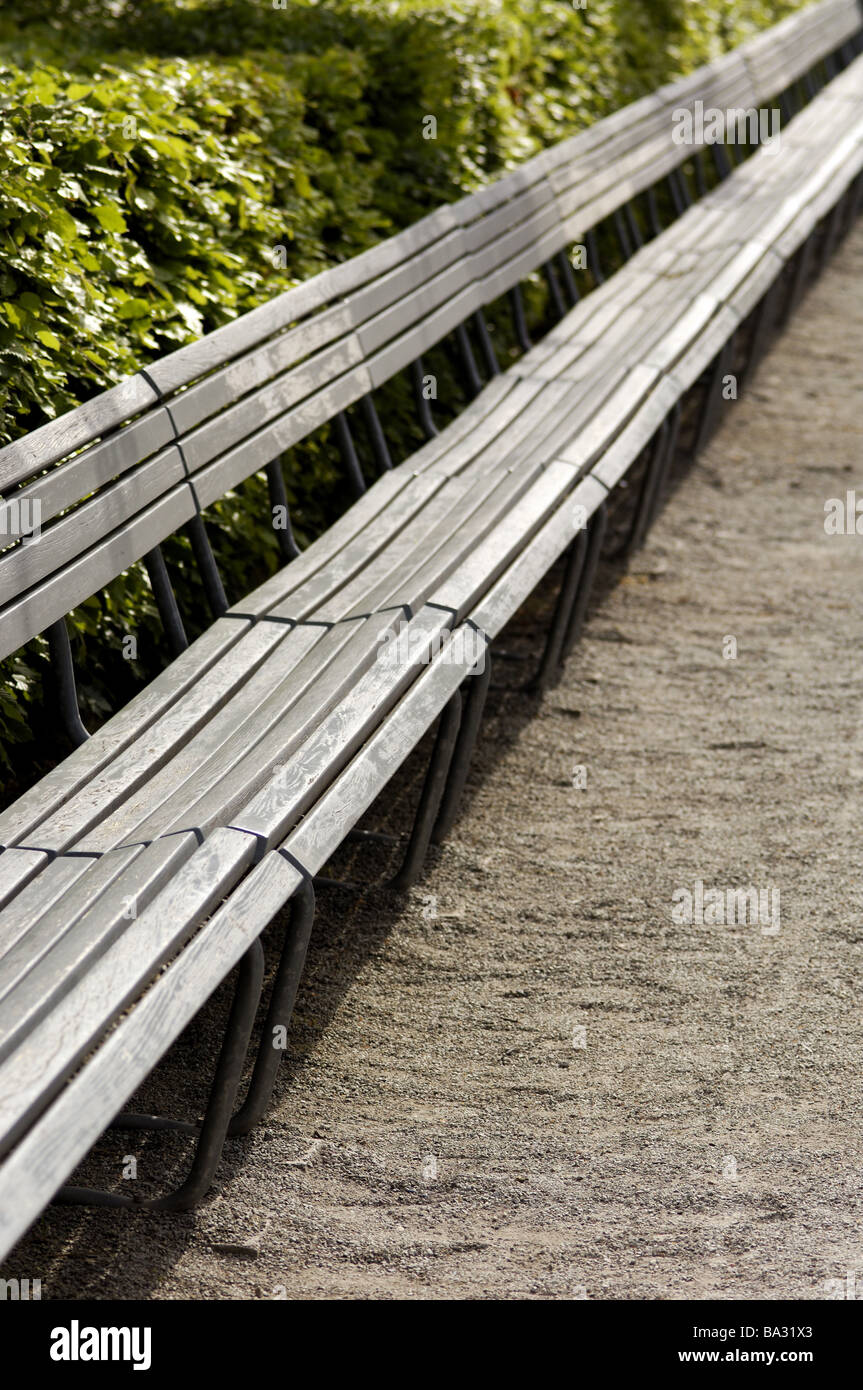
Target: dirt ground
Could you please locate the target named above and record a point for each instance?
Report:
(525, 1079)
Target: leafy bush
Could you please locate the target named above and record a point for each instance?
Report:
(154, 152)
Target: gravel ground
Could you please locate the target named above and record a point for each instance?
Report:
(525, 1079)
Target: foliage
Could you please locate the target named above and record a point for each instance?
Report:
(154, 152)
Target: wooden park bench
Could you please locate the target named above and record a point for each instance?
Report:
(145, 866)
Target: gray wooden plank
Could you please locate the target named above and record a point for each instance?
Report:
(422, 335)
(285, 430)
(32, 560)
(256, 368)
(289, 662)
(519, 580)
(56, 788)
(291, 789)
(214, 787)
(620, 456)
(274, 400)
(31, 613)
(74, 430)
(17, 868)
(326, 824)
(130, 773)
(610, 418)
(72, 1124)
(461, 590)
(85, 472)
(65, 944)
(31, 1075)
(308, 600)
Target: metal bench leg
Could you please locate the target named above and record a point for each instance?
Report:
(64, 674)
(567, 275)
(622, 234)
(477, 688)
(710, 409)
(594, 264)
(551, 656)
(653, 217)
(632, 224)
(653, 473)
(426, 419)
(348, 454)
(764, 322)
(214, 589)
(486, 346)
(802, 275)
(571, 607)
(519, 322)
(166, 602)
(596, 536)
(374, 429)
(279, 1011)
(557, 301)
(468, 361)
(214, 1129)
(431, 796)
(288, 548)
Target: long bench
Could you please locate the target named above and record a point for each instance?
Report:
(143, 868)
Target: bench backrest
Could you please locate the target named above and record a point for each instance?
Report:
(118, 475)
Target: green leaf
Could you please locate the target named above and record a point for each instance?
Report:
(110, 218)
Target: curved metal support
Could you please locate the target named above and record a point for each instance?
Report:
(700, 176)
(64, 674)
(471, 371)
(375, 432)
(489, 356)
(288, 548)
(519, 322)
(678, 192)
(348, 454)
(593, 261)
(622, 234)
(653, 217)
(654, 475)
(214, 590)
(713, 397)
(432, 793)
(557, 300)
(280, 1009)
(632, 224)
(477, 689)
(722, 163)
(214, 1129)
(596, 536)
(166, 602)
(568, 277)
(426, 418)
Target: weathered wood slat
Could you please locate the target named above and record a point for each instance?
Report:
(461, 590)
(50, 600)
(323, 828)
(45, 1158)
(289, 793)
(519, 580)
(58, 545)
(32, 1075)
(80, 427)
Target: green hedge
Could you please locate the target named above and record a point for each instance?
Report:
(152, 155)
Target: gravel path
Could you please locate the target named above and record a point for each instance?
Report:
(526, 1079)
